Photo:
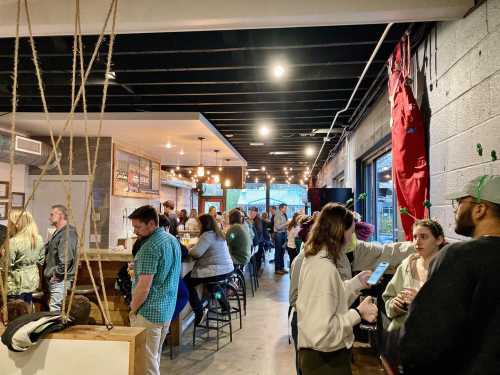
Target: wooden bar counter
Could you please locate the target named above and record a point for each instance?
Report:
(112, 261)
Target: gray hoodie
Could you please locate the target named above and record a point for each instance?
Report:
(54, 253)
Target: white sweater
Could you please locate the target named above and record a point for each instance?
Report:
(324, 319)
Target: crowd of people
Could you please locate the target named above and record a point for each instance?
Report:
(441, 303)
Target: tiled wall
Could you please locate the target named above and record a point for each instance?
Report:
(102, 183)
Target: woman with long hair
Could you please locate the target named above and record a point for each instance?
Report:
(26, 254)
(411, 275)
(213, 262)
(192, 224)
(293, 229)
(325, 321)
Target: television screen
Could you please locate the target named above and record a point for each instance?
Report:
(212, 190)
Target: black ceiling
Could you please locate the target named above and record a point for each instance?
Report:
(223, 74)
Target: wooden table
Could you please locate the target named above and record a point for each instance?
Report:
(112, 262)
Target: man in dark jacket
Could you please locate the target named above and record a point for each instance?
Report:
(453, 325)
(169, 211)
(60, 249)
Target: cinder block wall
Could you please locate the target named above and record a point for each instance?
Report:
(458, 82)
(461, 66)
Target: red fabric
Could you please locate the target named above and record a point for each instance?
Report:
(409, 163)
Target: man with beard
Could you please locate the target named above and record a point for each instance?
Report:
(453, 325)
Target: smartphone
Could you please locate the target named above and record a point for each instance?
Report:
(378, 273)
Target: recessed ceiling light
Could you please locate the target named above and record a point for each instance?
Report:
(281, 152)
(111, 75)
(264, 130)
(253, 169)
(279, 71)
(263, 169)
(309, 151)
(169, 145)
(256, 143)
(229, 135)
(181, 152)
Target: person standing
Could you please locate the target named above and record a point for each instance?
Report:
(325, 321)
(280, 226)
(169, 211)
(157, 268)
(61, 249)
(453, 322)
(26, 254)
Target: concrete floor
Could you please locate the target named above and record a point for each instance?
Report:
(260, 348)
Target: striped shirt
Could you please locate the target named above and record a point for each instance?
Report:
(160, 255)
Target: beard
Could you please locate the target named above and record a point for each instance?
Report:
(464, 224)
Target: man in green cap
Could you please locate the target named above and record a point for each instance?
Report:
(453, 325)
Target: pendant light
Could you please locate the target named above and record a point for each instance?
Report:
(227, 181)
(216, 177)
(200, 171)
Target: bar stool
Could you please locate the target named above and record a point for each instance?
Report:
(216, 314)
(88, 291)
(233, 294)
(238, 279)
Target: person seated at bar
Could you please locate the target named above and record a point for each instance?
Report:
(60, 250)
(238, 240)
(410, 276)
(213, 262)
(182, 218)
(192, 224)
(325, 321)
(26, 253)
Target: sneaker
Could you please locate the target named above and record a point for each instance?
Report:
(285, 270)
(199, 316)
(271, 261)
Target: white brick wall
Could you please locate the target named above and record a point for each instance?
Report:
(463, 67)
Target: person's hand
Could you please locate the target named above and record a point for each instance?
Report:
(130, 266)
(398, 305)
(409, 295)
(363, 277)
(368, 310)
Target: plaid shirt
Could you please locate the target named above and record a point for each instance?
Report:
(160, 255)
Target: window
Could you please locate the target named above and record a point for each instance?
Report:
(380, 202)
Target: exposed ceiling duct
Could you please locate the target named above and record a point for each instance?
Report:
(27, 151)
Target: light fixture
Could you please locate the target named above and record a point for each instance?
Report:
(263, 169)
(217, 160)
(200, 171)
(229, 135)
(168, 145)
(264, 130)
(284, 168)
(111, 75)
(177, 168)
(181, 152)
(256, 180)
(172, 171)
(309, 151)
(301, 182)
(278, 71)
(208, 172)
(291, 169)
(216, 178)
(227, 182)
(256, 143)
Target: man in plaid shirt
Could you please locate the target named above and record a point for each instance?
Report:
(157, 268)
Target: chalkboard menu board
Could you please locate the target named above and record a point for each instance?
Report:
(135, 175)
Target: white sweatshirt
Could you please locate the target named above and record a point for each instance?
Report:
(324, 319)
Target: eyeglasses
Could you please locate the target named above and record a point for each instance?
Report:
(456, 202)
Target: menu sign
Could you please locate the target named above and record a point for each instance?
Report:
(134, 175)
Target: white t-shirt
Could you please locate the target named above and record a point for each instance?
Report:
(292, 234)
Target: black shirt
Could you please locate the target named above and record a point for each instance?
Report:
(453, 325)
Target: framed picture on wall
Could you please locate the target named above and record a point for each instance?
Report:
(4, 189)
(18, 200)
(3, 210)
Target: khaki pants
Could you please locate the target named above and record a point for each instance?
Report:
(155, 336)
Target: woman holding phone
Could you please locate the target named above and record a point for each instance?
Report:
(325, 320)
(411, 275)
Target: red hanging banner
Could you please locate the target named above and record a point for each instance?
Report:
(410, 168)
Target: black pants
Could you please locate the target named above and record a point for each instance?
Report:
(193, 282)
(313, 362)
(292, 253)
(295, 337)
(260, 257)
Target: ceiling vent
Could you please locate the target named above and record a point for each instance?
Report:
(29, 146)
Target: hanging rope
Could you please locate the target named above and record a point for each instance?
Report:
(11, 162)
(69, 122)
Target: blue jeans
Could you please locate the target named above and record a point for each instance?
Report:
(56, 289)
(279, 251)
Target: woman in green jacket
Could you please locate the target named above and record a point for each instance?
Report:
(238, 239)
(26, 253)
(411, 275)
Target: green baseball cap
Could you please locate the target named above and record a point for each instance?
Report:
(486, 188)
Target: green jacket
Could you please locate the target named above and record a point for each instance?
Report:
(239, 243)
(402, 279)
(24, 261)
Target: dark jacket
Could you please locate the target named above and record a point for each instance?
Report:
(54, 253)
(453, 326)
